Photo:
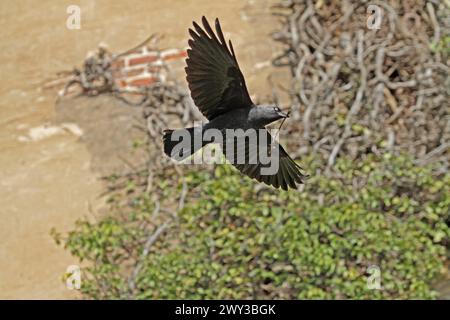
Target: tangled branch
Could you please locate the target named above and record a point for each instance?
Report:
(357, 90)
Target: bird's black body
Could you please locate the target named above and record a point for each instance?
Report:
(218, 89)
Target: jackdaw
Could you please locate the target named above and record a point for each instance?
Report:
(218, 89)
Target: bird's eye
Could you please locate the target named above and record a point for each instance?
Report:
(277, 109)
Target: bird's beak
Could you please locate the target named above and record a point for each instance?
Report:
(283, 114)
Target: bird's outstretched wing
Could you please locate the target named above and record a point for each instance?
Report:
(288, 173)
(215, 80)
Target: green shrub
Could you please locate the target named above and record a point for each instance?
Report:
(234, 241)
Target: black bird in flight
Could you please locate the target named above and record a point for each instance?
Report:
(218, 89)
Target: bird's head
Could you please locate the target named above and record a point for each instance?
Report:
(266, 114)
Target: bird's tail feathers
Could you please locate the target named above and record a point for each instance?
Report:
(182, 143)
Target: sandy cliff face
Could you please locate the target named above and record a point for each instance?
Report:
(46, 175)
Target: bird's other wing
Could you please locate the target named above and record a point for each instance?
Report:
(289, 172)
(215, 80)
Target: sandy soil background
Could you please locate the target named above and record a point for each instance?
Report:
(50, 181)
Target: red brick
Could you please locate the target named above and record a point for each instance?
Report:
(118, 64)
(143, 59)
(134, 72)
(121, 83)
(154, 69)
(174, 56)
(143, 82)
